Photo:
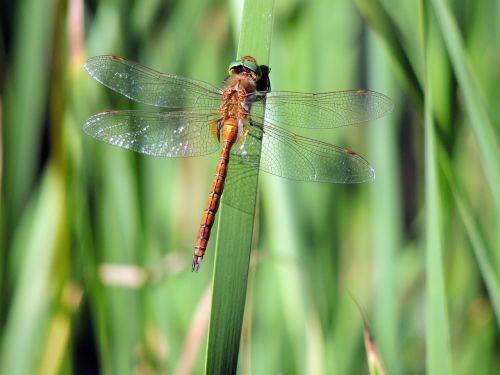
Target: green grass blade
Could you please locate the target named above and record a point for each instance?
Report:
(386, 213)
(26, 88)
(38, 238)
(256, 30)
(381, 21)
(481, 125)
(437, 322)
(235, 228)
(437, 329)
(477, 241)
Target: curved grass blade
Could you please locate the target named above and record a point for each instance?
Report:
(478, 242)
(481, 125)
(382, 22)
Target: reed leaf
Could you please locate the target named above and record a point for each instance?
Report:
(235, 228)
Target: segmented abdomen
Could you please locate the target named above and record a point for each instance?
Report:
(212, 206)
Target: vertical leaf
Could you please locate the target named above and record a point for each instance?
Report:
(437, 336)
(386, 214)
(24, 105)
(235, 228)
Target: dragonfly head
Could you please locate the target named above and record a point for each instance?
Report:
(246, 64)
(259, 73)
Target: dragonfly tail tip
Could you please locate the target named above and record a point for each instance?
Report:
(195, 266)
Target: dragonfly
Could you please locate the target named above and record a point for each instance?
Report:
(246, 121)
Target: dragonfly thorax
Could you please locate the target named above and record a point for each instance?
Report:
(236, 103)
(237, 96)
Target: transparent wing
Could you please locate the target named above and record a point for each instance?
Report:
(240, 185)
(288, 155)
(322, 110)
(242, 171)
(168, 134)
(150, 87)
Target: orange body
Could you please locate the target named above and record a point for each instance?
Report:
(234, 110)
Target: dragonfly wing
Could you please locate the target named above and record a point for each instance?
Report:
(243, 168)
(285, 154)
(289, 155)
(150, 87)
(323, 110)
(168, 134)
(239, 191)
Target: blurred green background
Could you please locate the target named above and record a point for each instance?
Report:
(96, 242)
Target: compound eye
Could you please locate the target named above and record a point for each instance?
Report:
(251, 64)
(234, 66)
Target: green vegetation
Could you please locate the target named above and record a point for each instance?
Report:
(96, 242)
(235, 229)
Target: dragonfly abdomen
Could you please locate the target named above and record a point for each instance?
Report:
(229, 135)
